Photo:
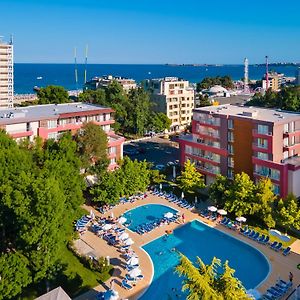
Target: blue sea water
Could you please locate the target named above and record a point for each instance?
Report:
(146, 214)
(64, 74)
(197, 239)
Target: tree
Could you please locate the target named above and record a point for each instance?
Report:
(158, 122)
(52, 95)
(92, 144)
(14, 273)
(208, 82)
(95, 97)
(240, 196)
(203, 282)
(203, 101)
(190, 178)
(288, 213)
(219, 190)
(264, 201)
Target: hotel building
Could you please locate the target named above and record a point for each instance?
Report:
(104, 81)
(175, 98)
(228, 139)
(275, 81)
(6, 75)
(51, 120)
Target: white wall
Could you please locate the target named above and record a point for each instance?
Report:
(294, 182)
(14, 128)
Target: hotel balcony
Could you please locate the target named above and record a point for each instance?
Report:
(20, 133)
(258, 133)
(206, 158)
(291, 133)
(290, 146)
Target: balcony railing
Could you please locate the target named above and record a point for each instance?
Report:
(209, 133)
(208, 169)
(208, 143)
(262, 146)
(256, 131)
(212, 158)
(267, 174)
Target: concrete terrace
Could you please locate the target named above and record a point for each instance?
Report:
(280, 265)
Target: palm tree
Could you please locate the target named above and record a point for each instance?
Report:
(204, 282)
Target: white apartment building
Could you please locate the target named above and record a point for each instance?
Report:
(175, 98)
(6, 75)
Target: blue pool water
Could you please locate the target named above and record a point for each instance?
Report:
(145, 214)
(197, 239)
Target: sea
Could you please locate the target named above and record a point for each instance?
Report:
(28, 75)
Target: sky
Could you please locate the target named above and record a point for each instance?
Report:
(152, 31)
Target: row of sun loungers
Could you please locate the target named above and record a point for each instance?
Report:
(173, 198)
(83, 222)
(278, 291)
(123, 200)
(147, 227)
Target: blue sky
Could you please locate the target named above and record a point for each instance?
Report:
(153, 31)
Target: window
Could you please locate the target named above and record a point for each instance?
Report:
(230, 161)
(285, 154)
(230, 124)
(263, 129)
(230, 136)
(286, 127)
(286, 141)
(112, 160)
(52, 135)
(262, 155)
(52, 123)
(230, 173)
(230, 148)
(112, 150)
(292, 127)
(262, 143)
(276, 189)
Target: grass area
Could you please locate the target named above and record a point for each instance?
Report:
(74, 278)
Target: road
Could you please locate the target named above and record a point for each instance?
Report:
(156, 150)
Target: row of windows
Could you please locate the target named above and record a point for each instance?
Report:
(202, 153)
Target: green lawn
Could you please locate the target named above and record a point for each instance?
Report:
(74, 278)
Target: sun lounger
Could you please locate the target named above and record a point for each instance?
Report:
(261, 238)
(266, 241)
(130, 267)
(273, 245)
(286, 251)
(130, 279)
(223, 220)
(251, 234)
(269, 296)
(255, 236)
(125, 285)
(278, 247)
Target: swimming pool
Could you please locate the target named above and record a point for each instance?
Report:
(197, 239)
(145, 214)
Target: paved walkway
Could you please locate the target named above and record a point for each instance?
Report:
(281, 265)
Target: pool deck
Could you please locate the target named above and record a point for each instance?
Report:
(280, 265)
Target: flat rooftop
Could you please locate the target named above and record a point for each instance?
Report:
(251, 112)
(45, 111)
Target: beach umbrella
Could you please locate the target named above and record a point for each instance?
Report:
(107, 227)
(212, 208)
(129, 242)
(174, 172)
(111, 295)
(285, 238)
(135, 272)
(254, 294)
(241, 219)
(275, 232)
(169, 215)
(92, 215)
(124, 236)
(222, 212)
(133, 261)
(122, 220)
(182, 195)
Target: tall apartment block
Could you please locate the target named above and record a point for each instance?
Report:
(275, 81)
(228, 139)
(175, 98)
(6, 74)
(51, 120)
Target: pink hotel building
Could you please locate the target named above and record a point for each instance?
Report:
(51, 120)
(229, 139)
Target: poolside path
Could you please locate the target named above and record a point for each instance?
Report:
(281, 265)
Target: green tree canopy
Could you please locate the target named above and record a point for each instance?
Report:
(203, 282)
(208, 82)
(190, 178)
(52, 95)
(218, 190)
(92, 144)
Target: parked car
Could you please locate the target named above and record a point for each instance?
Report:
(159, 167)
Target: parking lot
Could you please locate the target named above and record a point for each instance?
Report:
(157, 150)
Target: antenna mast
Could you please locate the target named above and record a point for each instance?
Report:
(267, 73)
(85, 69)
(246, 76)
(76, 73)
